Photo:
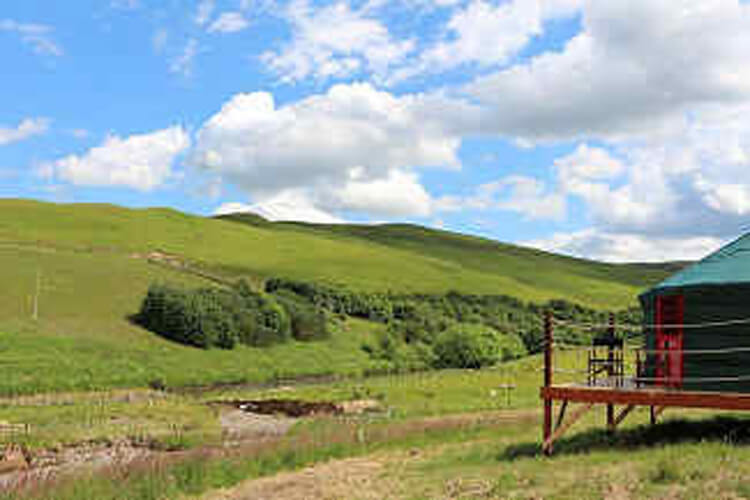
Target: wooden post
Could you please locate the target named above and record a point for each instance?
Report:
(35, 312)
(611, 371)
(548, 339)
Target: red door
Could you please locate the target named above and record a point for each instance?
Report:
(670, 311)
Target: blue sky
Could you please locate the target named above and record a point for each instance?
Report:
(612, 130)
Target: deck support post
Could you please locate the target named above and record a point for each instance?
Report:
(561, 415)
(547, 425)
(652, 412)
(624, 413)
(581, 411)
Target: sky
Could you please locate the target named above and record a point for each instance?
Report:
(616, 130)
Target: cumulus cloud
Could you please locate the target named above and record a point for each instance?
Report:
(486, 34)
(343, 147)
(396, 195)
(229, 22)
(142, 162)
(37, 36)
(516, 193)
(335, 41)
(635, 69)
(625, 247)
(26, 128)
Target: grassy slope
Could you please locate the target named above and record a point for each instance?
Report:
(398, 258)
(535, 274)
(91, 283)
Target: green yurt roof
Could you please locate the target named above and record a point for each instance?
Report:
(728, 265)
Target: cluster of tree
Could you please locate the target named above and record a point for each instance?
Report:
(418, 318)
(421, 331)
(224, 317)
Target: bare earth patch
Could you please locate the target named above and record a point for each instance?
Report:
(353, 479)
(239, 425)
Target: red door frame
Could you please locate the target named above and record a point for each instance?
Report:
(670, 364)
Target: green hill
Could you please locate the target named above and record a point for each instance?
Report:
(96, 262)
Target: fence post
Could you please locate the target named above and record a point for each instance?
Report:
(548, 340)
(611, 371)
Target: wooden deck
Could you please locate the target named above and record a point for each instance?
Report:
(647, 396)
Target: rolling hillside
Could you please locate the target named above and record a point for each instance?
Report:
(400, 258)
(93, 274)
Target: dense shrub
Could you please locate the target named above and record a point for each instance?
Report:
(472, 346)
(209, 317)
(308, 322)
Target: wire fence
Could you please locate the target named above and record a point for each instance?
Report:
(649, 362)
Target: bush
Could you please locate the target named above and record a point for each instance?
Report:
(212, 317)
(470, 346)
(399, 355)
(308, 322)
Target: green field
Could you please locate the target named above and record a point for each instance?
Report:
(439, 435)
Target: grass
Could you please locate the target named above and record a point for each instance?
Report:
(143, 418)
(397, 258)
(488, 451)
(433, 393)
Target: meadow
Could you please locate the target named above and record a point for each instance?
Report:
(448, 434)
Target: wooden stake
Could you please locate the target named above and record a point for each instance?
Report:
(35, 313)
(548, 339)
(611, 372)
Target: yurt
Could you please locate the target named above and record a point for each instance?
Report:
(697, 324)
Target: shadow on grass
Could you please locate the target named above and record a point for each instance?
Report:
(732, 430)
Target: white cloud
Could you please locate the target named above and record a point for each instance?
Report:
(634, 70)
(229, 22)
(351, 133)
(38, 36)
(26, 128)
(624, 247)
(335, 41)
(516, 193)
(183, 63)
(204, 11)
(398, 194)
(288, 206)
(487, 34)
(141, 162)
